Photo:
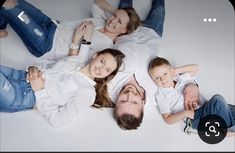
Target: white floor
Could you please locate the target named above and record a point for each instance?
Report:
(186, 39)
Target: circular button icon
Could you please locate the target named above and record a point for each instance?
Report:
(212, 129)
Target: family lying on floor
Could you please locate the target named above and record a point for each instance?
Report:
(109, 60)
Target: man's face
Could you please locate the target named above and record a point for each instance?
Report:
(130, 101)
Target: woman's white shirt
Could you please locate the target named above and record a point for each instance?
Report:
(64, 33)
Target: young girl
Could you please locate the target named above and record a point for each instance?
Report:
(61, 90)
(51, 39)
(171, 82)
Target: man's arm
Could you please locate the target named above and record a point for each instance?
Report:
(191, 96)
(191, 92)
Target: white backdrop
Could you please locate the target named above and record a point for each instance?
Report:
(186, 39)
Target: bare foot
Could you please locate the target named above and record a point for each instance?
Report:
(3, 33)
(10, 4)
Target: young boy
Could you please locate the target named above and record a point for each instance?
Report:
(171, 82)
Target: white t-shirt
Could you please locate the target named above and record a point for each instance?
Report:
(139, 47)
(63, 36)
(171, 100)
(66, 93)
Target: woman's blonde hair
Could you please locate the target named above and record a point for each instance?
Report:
(134, 20)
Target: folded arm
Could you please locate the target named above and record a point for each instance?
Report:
(104, 5)
(58, 116)
(190, 68)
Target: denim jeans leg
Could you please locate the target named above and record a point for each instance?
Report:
(232, 109)
(36, 14)
(125, 3)
(216, 105)
(15, 93)
(37, 38)
(155, 18)
(3, 22)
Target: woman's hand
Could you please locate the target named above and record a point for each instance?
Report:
(89, 30)
(35, 78)
(79, 33)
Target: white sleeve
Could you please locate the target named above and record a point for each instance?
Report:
(42, 66)
(162, 102)
(58, 116)
(84, 53)
(98, 13)
(187, 78)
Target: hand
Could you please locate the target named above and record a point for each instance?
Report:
(32, 72)
(191, 96)
(189, 113)
(79, 32)
(89, 30)
(35, 78)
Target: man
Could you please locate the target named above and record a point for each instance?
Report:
(132, 87)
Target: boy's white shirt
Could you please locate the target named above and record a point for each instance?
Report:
(171, 100)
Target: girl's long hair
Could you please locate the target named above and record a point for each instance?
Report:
(102, 98)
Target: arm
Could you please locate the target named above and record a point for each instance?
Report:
(104, 5)
(57, 115)
(84, 31)
(174, 118)
(191, 69)
(191, 96)
(77, 37)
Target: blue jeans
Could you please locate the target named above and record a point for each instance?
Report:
(15, 93)
(34, 28)
(155, 18)
(216, 105)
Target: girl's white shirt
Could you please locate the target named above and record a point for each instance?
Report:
(66, 92)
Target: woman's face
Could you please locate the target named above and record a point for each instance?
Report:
(102, 65)
(117, 23)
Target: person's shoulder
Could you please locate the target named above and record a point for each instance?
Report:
(185, 76)
(147, 31)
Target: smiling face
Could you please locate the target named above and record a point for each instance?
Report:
(102, 65)
(163, 76)
(130, 101)
(117, 23)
